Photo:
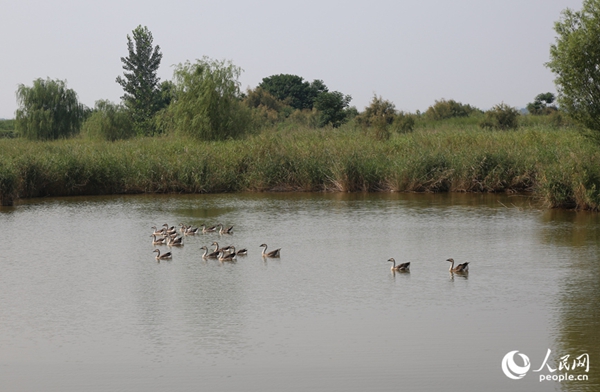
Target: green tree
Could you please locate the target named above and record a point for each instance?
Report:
(48, 110)
(542, 104)
(108, 121)
(293, 90)
(332, 108)
(444, 109)
(207, 102)
(143, 95)
(575, 60)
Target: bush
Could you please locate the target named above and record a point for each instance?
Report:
(108, 121)
(501, 117)
(404, 123)
(444, 109)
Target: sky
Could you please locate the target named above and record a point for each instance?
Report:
(410, 52)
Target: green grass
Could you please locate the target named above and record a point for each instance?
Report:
(557, 165)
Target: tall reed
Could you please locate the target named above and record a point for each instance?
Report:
(555, 164)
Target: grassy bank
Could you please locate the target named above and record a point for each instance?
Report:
(557, 165)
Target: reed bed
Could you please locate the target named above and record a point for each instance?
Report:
(557, 165)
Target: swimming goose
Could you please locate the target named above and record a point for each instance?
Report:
(164, 256)
(211, 255)
(464, 267)
(158, 232)
(208, 229)
(227, 256)
(190, 231)
(273, 253)
(404, 267)
(170, 230)
(224, 230)
(177, 241)
(242, 252)
(158, 241)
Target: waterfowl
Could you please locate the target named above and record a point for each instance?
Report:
(158, 241)
(404, 267)
(170, 230)
(227, 256)
(158, 232)
(177, 241)
(211, 255)
(242, 252)
(164, 256)
(464, 267)
(208, 229)
(273, 253)
(190, 231)
(223, 230)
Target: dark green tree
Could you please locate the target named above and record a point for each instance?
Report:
(207, 103)
(542, 104)
(575, 60)
(293, 90)
(143, 95)
(332, 108)
(48, 110)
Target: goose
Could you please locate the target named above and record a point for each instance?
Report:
(190, 231)
(170, 230)
(464, 267)
(273, 253)
(177, 241)
(158, 241)
(208, 229)
(404, 267)
(158, 232)
(164, 256)
(242, 252)
(211, 255)
(227, 256)
(223, 230)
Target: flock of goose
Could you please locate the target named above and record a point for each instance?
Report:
(405, 267)
(170, 236)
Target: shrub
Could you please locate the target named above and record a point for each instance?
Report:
(444, 109)
(108, 122)
(501, 116)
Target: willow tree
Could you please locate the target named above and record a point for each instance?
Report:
(207, 103)
(142, 95)
(575, 59)
(48, 110)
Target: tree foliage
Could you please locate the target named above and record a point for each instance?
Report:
(444, 109)
(108, 121)
(207, 102)
(143, 96)
(332, 108)
(48, 110)
(575, 60)
(293, 90)
(542, 104)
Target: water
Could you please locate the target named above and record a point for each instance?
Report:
(85, 306)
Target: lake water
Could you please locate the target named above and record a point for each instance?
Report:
(84, 305)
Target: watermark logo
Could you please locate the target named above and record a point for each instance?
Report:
(516, 371)
(511, 369)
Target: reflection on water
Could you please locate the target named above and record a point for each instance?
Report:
(85, 306)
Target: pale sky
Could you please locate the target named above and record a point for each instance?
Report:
(411, 52)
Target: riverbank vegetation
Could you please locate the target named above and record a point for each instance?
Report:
(557, 165)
